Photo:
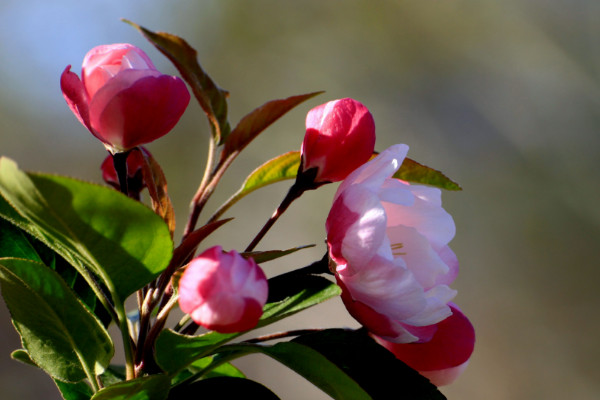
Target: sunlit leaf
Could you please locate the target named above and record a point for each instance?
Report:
(280, 168)
(59, 333)
(93, 227)
(212, 98)
(412, 171)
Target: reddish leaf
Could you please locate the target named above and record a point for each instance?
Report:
(258, 120)
(155, 181)
(211, 97)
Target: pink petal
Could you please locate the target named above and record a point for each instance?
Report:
(102, 59)
(128, 116)
(449, 349)
(76, 97)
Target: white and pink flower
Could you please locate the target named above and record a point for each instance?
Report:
(389, 243)
(223, 292)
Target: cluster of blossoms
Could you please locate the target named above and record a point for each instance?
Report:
(387, 239)
(388, 244)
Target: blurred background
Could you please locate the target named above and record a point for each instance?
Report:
(502, 96)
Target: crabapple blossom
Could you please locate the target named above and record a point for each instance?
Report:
(121, 98)
(388, 241)
(223, 291)
(340, 136)
(446, 355)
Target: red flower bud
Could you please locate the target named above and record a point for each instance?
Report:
(135, 176)
(122, 99)
(340, 137)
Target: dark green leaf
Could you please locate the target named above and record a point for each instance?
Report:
(15, 243)
(74, 391)
(308, 363)
(258, 120)
(59, 333)
(212, 98)
(374, 368)
(223, 388)
(269, 255)
(291, 293)
(153, 387)
(175, 351)
(112, 375)
(91, 226)
(412, 171)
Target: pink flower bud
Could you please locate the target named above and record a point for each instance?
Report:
(445, 356)
(389, 242)
(122, 99)
(223, 292)
(340, 137)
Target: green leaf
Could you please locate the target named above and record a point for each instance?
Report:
(223, 369)
(373, 367)
(14, 243)
(113, 375)
(91, 226)
(292, 293)
(223, 388)
(309, 364)
(153, 387)
(412, 171)
(277, 169)
(280, 168)
(288, 294)
(58, 332)
(269, 255)
(74, 391)
(212, 98)
(22, 356)
(175, 351)
(258, 120)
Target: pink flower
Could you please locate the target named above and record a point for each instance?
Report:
(122, 98)
(340, 137)
(223, 291)
(445, 356)
(389, 241)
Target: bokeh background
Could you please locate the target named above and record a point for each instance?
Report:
(503, 96)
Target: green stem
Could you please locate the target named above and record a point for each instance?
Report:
(127, 344)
